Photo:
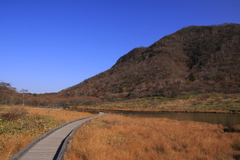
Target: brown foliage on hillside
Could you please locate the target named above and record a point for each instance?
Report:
(195, 59)
(9, 96)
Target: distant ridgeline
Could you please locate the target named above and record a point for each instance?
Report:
(195, 59)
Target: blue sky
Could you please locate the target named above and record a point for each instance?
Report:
(50, 45)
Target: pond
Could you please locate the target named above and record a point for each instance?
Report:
(214, 118)
(226, 119)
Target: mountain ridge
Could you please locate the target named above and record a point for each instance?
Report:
(194, 59)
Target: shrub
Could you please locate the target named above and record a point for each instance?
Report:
(192, 77)
(14, 114)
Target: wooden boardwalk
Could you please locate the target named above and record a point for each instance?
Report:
(49, 147)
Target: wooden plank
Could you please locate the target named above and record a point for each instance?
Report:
(48, 147)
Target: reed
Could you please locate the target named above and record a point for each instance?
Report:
(125, 138)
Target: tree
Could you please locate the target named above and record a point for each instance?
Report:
(192, 77)
(23, 91)
(6, 93)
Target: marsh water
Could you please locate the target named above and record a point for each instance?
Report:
(214, 118)
(226, 119)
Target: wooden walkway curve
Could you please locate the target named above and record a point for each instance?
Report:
(51, 145)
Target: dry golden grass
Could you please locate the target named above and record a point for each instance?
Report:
(11, 143)
(211, 102)
(59, 114)
(124, 138)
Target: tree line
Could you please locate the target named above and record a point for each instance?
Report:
(10, 96)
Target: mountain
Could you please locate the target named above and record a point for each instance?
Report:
(195, 59)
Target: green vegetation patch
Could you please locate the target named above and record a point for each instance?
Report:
(20, 121)
(99, 124)
(115, 140)
(186, 102)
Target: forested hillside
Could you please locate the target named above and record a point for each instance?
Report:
(195, 59)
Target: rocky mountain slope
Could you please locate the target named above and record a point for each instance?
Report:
(195, 59)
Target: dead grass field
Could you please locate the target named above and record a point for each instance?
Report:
(59, 114)
(15, 134)
(125, 138)
(210, 102)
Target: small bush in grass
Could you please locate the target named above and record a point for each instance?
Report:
(13, 114)
(9, 116)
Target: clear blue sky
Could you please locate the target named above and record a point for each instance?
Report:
(49, 45)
